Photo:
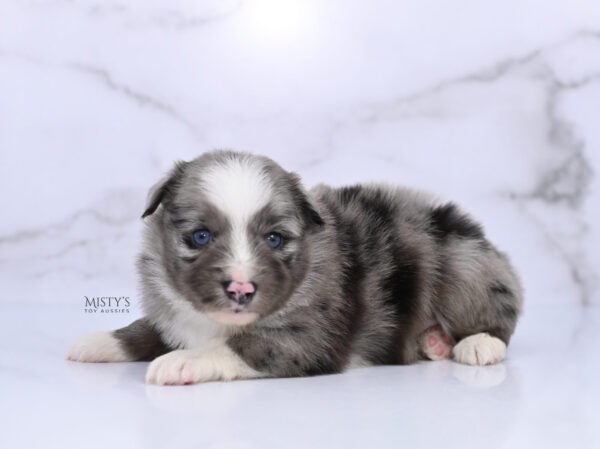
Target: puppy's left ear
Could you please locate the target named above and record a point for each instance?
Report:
(163, 188)
(308, 211)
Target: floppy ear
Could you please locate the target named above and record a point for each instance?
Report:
(307, 210)
(163, 188)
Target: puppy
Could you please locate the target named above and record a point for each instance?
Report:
(245, 275)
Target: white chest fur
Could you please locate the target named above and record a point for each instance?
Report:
(182, 326)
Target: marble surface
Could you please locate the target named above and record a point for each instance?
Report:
(545, 395)
(494, 105)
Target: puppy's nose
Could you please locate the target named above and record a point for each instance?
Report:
(240, 292)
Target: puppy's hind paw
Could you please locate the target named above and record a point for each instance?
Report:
(480, 349)
(435, 344)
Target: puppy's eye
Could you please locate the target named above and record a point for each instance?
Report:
(202, 237)
(274, 239)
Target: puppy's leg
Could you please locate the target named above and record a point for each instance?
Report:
(481, 314)
(97, 347)
(190, 366)
(482, 320)
(479, 296)
(290, 351)
(136, 342)
(306, 346)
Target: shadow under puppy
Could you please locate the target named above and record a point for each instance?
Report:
(244, 275)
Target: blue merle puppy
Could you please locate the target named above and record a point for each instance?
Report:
(244, 275)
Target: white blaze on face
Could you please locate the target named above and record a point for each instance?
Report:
(239, 189)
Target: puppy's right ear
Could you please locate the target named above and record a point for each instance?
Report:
(163, 188)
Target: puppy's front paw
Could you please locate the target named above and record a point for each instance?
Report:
(185, 367)
(479, 349)
(97, 347)
(180, 367)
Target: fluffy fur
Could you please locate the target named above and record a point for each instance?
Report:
(362, 272)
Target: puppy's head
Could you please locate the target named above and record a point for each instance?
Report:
(232, 232)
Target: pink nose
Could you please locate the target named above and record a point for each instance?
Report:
(240, 292)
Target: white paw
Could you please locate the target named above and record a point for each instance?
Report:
(97, 347)
(184, 367)
(479, 349)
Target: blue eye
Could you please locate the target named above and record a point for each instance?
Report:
(202, 237)
(274, 239)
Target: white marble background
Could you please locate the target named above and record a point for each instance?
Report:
(493, 104)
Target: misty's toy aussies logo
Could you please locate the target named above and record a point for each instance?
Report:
(106, 304)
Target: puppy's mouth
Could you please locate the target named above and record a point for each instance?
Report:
(235, 316)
